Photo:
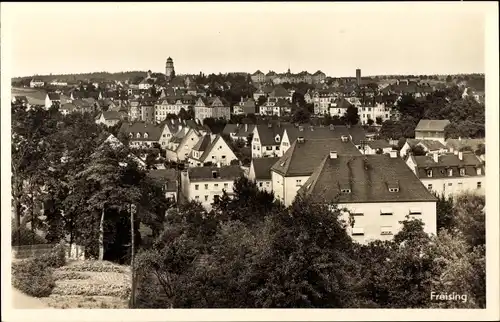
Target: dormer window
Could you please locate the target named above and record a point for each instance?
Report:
(214, 174)
(478, 171)
(300, 139)
(277, 138)
(450, 172)
(429, 173)
(145, 135)
(130, 134)
(393, 189)
(462, 171)
(344, 138)
(138, 135)
(346, 191)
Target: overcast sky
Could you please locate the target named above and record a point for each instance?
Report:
(379, 38)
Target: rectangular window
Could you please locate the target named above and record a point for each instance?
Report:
(358, 231)
(478, 171)
(196, 187)
(450, 184)
(462, 172)
(206, 198)
(386, 212)
(196, 197)
(459, 185)
(216, 185)
(429, 173)
(206, 186)
(298, 183)
(260, 184)
(386, 230)
(450, 172)
(225, 185)
(479, 184)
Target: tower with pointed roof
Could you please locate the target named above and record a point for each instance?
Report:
(169, 68)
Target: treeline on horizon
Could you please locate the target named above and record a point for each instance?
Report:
(122, 76)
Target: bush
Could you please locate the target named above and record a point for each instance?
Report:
(56, 258)
(73, 288)
(95, 266)
(69, 275)
(33, 278)
(24, 236)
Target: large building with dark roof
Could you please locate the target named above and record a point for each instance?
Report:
(379, 191)
(293, 169)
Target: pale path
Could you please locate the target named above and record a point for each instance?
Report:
(23, 301)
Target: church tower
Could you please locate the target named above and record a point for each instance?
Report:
(169, 68)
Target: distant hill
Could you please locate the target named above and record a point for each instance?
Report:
(98, 76)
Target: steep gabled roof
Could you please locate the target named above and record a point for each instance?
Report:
(153, 131)
(368, 177)
(54, 96)
(111, 115)
(303, 157)
(268, 132)
(262, 167)
(432, 125)
(167, 177)
(432, 145)
(469, 162)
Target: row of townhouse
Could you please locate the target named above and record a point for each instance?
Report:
(288, 77)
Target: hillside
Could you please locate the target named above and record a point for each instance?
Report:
(98, 76)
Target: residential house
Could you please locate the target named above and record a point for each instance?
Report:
(376, 147)
(207, 184)
(431, 130)
(212, 107)
(169, 180)
(59, 83)
(51, 99)
(276, 106)
(142, 134)
(298, 163)
(378, 191)
(280, 92)
(147, 113)
(260, 172)
(83, 106)
(465, 144)
(266, 139)
(172, 105)
(244, 107)
(67, 108)
(318, 77)
(134, 110)
(338, 107)
(182, 144)
(449, 173)
(258, 77)
(323, 100)
(114, 143)
(373, 112)
(258, 93)
(146, 84)
(213, 149)
(36, 83)
(109, 118)
(238, 131)
(429, 146)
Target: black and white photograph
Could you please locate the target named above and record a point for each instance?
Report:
(258, 155)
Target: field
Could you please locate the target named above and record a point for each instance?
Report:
(35, 96)
(90, 284)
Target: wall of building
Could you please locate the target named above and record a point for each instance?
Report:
(292, 186)
(455, 185)
(372, 221)
(205, 191)
(187, 145)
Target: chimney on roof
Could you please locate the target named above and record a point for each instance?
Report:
(333, 154)
(460, 138)
(455, 152)
(172, 121)
(332, 127)
(237, 124)
(435, 157)
(301, 128)
(300, 139)
(393, 154)
(460, 155)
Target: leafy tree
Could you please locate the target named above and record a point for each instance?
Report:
(183, 114)
(351, 116)
(470, 218)
(418, 150)
(378, 120)
(301, 116)
(249, 139)
(370, 122)
(298, 99)
(445, 213)
(481, 150)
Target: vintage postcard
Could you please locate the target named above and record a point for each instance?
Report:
(249, 161)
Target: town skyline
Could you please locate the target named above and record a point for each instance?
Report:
(279, 38)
